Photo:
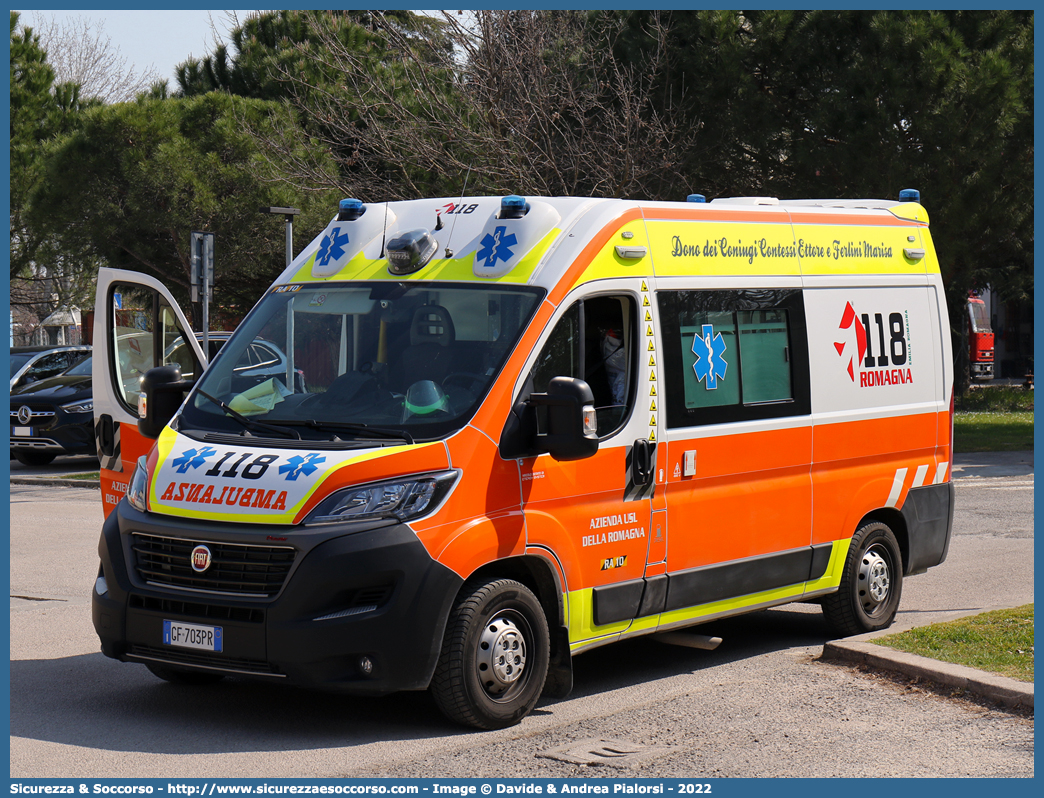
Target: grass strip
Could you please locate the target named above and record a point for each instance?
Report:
(1010, 431)
(995, 398)
(999, 642)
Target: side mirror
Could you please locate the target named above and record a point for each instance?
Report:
(162, 392)
(572, 427)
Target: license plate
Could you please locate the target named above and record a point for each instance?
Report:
(25, 432)
(191, 635)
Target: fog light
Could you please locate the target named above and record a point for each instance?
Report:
(366, 665)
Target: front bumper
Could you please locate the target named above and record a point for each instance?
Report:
(349, 594)
(61, 432)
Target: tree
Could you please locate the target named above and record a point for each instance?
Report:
(44, 275)
(863, 104)
(134, 180)
(270, 45)
(532, 102)
(79, 52)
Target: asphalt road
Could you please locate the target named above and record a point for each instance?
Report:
(761, 705)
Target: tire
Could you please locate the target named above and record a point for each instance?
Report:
(494, 657)
(871, 584)
(184, 675)
(31, 458)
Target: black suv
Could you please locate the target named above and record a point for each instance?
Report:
(53, 416)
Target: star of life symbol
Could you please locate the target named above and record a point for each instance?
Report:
(190, 458)
(710, 365)
(297, 465)
(331, 247)
(496, 246)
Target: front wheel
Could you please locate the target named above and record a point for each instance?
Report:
(494, 657)
(871, 584)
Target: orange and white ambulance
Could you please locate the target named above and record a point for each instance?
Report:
(460, 441)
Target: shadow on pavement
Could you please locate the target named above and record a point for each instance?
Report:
(94, 702)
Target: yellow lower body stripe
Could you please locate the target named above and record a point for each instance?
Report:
(584, 634)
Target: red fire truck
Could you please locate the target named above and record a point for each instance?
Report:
(980, 340)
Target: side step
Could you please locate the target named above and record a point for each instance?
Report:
(689, 640)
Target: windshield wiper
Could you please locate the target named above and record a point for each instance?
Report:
(249, 423)
(350, 426)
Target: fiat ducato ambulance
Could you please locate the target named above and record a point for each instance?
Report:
(459, 441)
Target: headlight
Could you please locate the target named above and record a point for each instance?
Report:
(80, 407)
(402, 499)
(137, 493)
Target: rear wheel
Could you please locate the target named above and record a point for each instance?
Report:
(871, 584)
(31, 458)
(184, 675)
(494, 657)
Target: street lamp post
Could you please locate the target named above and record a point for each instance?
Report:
(288, 214)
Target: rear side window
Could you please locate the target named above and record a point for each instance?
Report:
(734, 355)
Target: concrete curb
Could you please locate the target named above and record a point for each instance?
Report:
(1007, 692)
(65, 483)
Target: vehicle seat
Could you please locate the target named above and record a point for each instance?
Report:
(430, 355)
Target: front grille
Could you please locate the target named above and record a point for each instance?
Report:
(39, 415)
(238, 570)
(195, 609)
(202, 658)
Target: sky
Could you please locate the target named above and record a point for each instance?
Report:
(157, 39)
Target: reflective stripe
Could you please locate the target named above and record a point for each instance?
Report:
(940, 472)
(897, 487)
(922, 472)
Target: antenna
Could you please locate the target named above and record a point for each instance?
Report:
(384, 235)
(463, 191)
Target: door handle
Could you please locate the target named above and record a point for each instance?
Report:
(106, 436)
(641, 462)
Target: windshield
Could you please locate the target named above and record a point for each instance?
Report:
(979, 320)
(407, 360)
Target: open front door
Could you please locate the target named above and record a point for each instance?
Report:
(137, 326)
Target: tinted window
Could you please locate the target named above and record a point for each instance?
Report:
(734, 355)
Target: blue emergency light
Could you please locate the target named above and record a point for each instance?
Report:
(350, 209)
(909, 195)
(696, 198)
(512, 207)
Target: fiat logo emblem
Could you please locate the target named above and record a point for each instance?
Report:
(200, 559)
(25, 415)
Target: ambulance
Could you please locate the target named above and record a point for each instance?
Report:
(460, 441)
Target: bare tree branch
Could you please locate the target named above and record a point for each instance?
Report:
(527, 101)
(80, 52)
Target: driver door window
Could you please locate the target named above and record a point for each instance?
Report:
(595, 341)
